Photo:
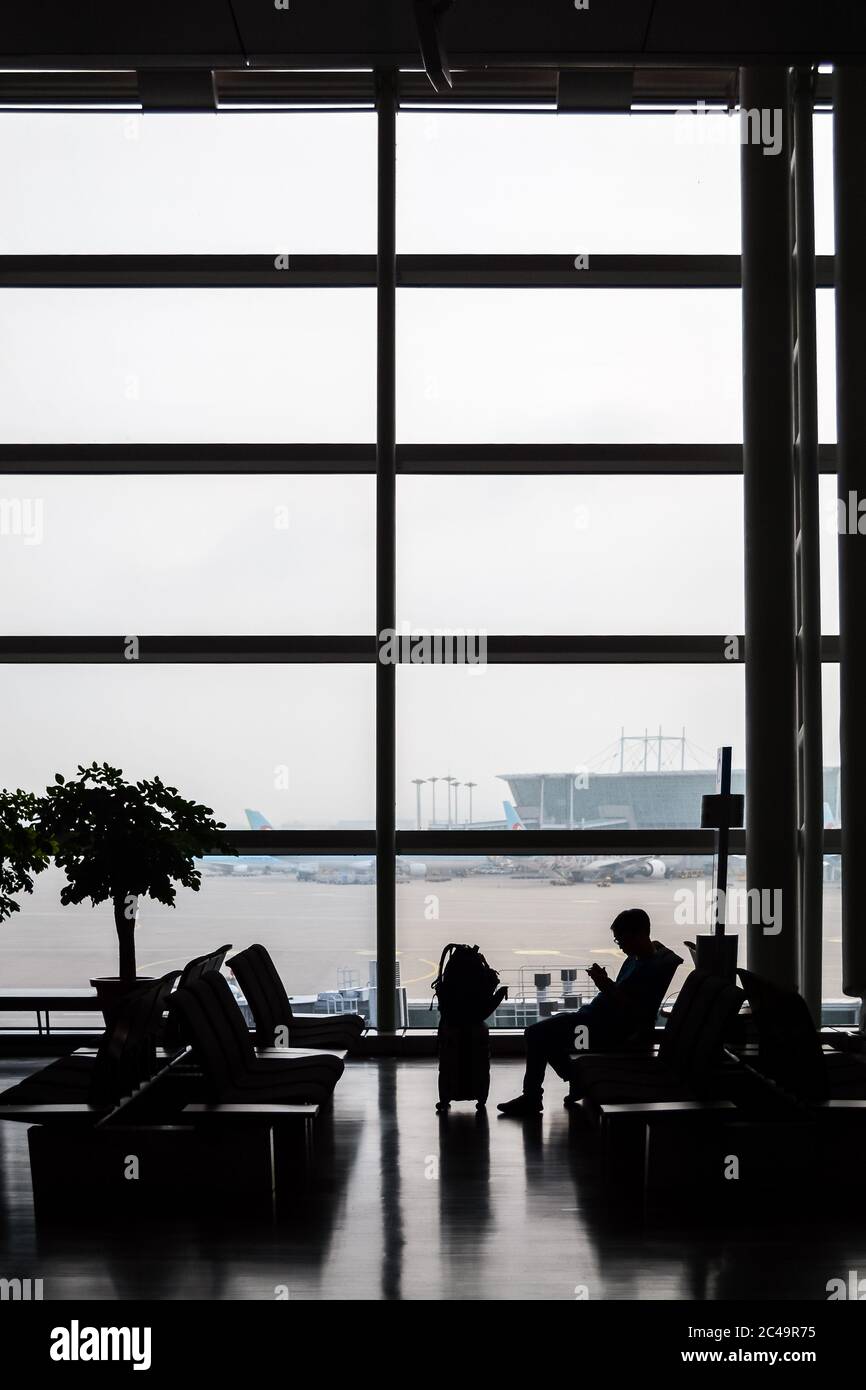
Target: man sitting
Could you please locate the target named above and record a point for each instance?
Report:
(622, 1009)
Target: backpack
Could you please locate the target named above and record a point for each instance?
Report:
(466, 988)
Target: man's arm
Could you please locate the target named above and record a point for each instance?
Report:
(601, 979)
(606, 985)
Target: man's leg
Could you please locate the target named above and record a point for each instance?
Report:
(550, 1041)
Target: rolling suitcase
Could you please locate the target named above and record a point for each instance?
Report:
(464, 1063)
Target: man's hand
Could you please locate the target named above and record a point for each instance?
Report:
(599, 976)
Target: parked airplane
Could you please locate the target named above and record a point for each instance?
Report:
(312, 868)
(585, 868)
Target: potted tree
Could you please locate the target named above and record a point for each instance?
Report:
(25, 848)
(117, 841)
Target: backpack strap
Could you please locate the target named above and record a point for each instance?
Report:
(452, 946)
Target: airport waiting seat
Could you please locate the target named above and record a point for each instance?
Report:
(212, 1024)
(125, 1060)
(266, 995)
(199, 965)
(690, 1056)
(790, 1052)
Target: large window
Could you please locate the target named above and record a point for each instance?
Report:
(187, 365)
(127, 184)
(510, 183)
(566, 555)
(188, 554)
(551, 365)
(543, 920)
(316, 916)
(489, 723)
(189, 445)
(294, 742)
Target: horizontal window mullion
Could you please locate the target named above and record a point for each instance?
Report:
(108, 459)
(568, 272)
(220, 649)
(287, 842)
(543, 842)
(278, 270)
(412, 459)
(701, 648)
(282, 270)
(498, 649)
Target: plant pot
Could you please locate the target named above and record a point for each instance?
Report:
(111, 990)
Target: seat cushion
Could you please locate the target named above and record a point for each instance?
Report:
(298, 1080)
(624, 1080)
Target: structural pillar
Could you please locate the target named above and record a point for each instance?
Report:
(768, 495)
(386, 567)
(808, 554)
(849, 169)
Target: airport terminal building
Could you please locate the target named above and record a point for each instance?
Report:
(667, 800)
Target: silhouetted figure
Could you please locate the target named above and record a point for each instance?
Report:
(467, 991)
(623, 1008)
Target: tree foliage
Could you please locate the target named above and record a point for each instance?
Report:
(117, 841)
(25, 848)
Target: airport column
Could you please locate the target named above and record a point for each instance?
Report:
(768, 498)
(386, 609)
(807, 548)
(849, 170)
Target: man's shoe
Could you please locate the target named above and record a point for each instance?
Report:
(520, 1106)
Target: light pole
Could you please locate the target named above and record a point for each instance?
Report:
(470, 785)
(418, 783)
(433, 781)
(449, 780)
(456, 815)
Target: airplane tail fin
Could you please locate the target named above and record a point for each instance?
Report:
(512, 819)
(257, 821)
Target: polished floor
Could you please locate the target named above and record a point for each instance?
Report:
(411, 1206)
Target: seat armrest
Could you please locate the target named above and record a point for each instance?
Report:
(664, 1109)
(72, 1113)
(285, 1054)
(254, 1113)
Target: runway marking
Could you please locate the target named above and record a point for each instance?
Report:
(167, 960)
(419, 978)
(539, 951)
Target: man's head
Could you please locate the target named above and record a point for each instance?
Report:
(631, 930)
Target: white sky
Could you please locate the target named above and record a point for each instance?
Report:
(236, 555)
